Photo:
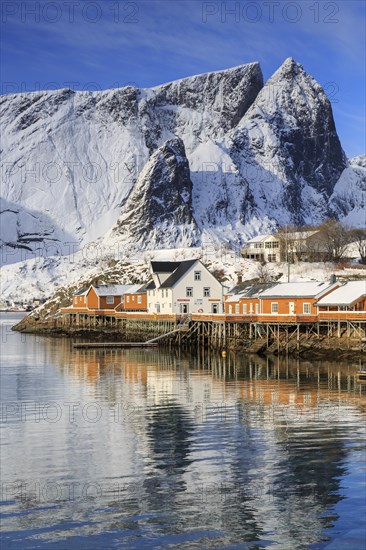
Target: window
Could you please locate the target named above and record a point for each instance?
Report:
(250, 308)
(139, 299)
(127, 299)
(110, 299)
(272, 244)
(206, 291)
(306, 308)
(75, 300)
(271, 257)
(257, 308)
(274, 307)
(245, 308)
(133, 298)
(197, 275)
(189, 291)
(236, 308)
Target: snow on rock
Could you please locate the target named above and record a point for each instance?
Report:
(158, 212)
(76, 155)
(348, 200)
(207, 160)
(287, 149)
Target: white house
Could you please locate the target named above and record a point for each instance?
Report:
(263, 248)
(183, 287)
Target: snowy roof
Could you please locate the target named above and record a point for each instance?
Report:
(233, 298)
(293, 290)
(115, 290)
(298, 235)
(345, 295)
(250, 290)
(259, 238)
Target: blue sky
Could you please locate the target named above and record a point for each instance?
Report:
(101, 44)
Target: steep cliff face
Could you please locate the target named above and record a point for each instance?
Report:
(249, 157)
(287, 147)
(159, 208)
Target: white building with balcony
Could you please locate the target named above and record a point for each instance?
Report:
(263, 248)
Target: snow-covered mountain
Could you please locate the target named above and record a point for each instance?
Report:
(216, 157)
(159, 207)
(348, 200)
(75, 156)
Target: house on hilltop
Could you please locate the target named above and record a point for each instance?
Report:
(286, 245)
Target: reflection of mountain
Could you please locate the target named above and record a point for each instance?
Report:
(235, 451)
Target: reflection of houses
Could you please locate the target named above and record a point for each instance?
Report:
(350, 297)
(183, 287)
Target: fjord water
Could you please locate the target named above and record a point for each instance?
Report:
(174, 449)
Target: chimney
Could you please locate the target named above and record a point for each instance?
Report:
(333, 279)
(240, 279)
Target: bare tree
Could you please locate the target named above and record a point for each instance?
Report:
(358, 236)
(336, 238)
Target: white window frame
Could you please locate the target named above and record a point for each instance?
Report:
(274, 307)
(206, 291)
(110, 300)
(308, 306)
(139, 299)
(189, 291)
(245, 308)
(127, 299)
(197, 275)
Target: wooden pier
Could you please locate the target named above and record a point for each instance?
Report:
(277, 334)
(115, 345)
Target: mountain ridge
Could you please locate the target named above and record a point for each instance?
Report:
(259, 155)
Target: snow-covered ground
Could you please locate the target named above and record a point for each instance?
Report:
(41, 278)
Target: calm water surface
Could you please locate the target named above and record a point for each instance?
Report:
(157, 449)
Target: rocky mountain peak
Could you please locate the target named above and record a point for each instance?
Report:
(289, 133)
(159, 209)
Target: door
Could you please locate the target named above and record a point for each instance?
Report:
(215, 308)
(291, 308)
(183, 308)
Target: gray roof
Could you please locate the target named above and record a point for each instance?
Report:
(164, 267)
(178, 272)
(150, 285)
(248, 290)
(81, 292)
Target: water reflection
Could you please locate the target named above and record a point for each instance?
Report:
(161, 449)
